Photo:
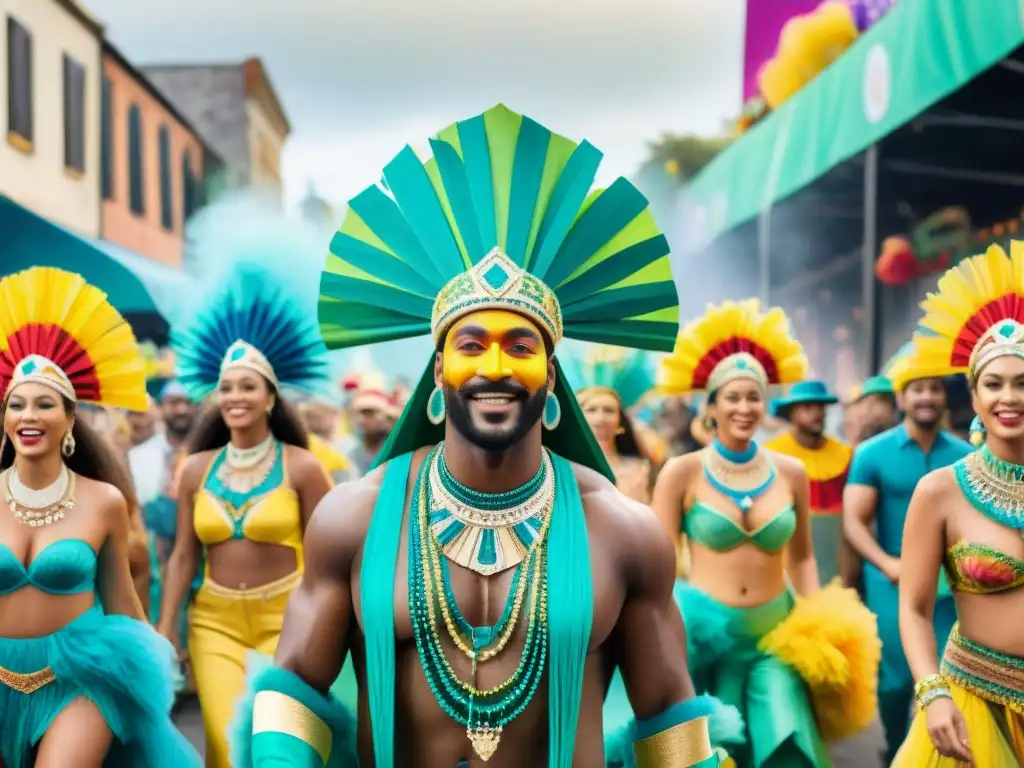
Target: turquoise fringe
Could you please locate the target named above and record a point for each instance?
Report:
(262, 675)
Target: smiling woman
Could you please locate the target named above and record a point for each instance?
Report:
(79, 671)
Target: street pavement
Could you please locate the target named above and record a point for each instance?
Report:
(862, 751)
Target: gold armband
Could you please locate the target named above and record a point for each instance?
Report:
(274, 712)
(680, 746)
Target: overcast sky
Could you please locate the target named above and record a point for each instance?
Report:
(361, 78)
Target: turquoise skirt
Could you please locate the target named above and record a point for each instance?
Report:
(120, 664)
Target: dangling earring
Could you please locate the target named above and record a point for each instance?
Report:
(552, 412)
(620, 431)
(978, 432)
(709, 424)
(67, 445)
(436, 407)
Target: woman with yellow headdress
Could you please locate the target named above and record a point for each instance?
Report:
(81, 673)
(969, 518)
(800, 667)
(250, 485)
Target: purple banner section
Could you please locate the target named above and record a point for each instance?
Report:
(765, 19)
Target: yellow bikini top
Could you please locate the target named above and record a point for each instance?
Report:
(981, 569)
(269, 514)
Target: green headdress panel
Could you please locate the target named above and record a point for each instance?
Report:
(629, 372)
(501, 216)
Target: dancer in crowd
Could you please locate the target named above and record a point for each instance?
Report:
(746, 514)
(970, 518)
(248, 490)
(320, 419)
(608, 381)
(371, 414)
(883, 475)
(497, 247)
(875, 409)
(827, 462)
(81, 672)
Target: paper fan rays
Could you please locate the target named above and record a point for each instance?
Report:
(731, 338)
(60, 318)
(499, 181)
(979, 303)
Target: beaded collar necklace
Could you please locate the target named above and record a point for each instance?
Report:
(993, 487)
(740, 476)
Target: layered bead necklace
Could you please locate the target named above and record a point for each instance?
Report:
(44, 506)
(245, 469)
(993, 487)
(740, 476)
(497, 532)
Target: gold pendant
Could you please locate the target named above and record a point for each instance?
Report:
(484, 740)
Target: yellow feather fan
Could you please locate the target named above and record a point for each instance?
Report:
(972, 298)
(831, 640)
(732, 334)
(58, 316)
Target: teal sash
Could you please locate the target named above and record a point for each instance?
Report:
(570, 609)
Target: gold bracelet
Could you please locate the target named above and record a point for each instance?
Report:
(274, 712)
(929, 683)
(680, 746)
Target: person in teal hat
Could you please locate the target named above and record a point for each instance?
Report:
(883, 474)
(875, 407)
(486, 577)
(827, 461)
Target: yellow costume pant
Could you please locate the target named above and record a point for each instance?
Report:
(988, 688)
(225, 625)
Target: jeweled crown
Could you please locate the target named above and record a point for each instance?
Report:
(1004, 338)
(244, 355)
(496, 282)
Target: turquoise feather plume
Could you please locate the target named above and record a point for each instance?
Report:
(630, 372)
(499, 179)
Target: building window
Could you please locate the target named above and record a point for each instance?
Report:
(166, 194)
(74, 115)
(19, 85)
(136, 191)
(188, 185)
(106, 139)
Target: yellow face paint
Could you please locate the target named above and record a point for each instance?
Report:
(495, 344)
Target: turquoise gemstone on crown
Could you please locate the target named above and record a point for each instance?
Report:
(29, 367)
(496, 277)
(237, 354)
(1007, 329)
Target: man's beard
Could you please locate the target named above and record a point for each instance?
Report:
(530, 411)
(926, 424)
(179, 426)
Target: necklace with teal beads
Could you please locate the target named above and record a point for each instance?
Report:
(740, 476)
(993, 486)
(483, 712)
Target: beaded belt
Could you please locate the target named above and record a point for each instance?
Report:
(29, 683)
(994, 676)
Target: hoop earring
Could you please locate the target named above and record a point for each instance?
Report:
(978, 432)
(552, 412)
(436, 411)
(67, 445)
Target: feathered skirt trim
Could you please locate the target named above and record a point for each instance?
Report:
(120, 664)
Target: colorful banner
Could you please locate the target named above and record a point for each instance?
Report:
(765, 19)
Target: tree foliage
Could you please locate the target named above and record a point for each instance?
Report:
(683, 157)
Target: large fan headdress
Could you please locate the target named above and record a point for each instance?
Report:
(729, 341)
(627, 373)
(501, 216)
(57, 330)
(257, 311)
(976, 315)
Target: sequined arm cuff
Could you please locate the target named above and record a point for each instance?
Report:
(274, 712)
(682, 746)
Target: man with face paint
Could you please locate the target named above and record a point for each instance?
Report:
(487, 577)
(884, 472)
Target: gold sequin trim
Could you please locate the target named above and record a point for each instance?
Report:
(273, 712)
(29, 683)
(681, 746)
(989, 674)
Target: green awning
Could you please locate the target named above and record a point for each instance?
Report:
(922, 51)
(133, 283)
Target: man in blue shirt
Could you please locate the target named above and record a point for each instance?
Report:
(884, 472)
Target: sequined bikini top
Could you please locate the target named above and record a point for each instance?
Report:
(981, 569)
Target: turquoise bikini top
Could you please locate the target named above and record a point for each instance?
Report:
(65, 567)
(715, 530)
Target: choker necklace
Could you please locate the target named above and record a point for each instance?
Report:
(487, 532)
(993, 487)
(739, 476)
(247, 458)
(44, 506)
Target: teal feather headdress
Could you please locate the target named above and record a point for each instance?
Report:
(257, 311)
(501, 216)
(628, 372)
